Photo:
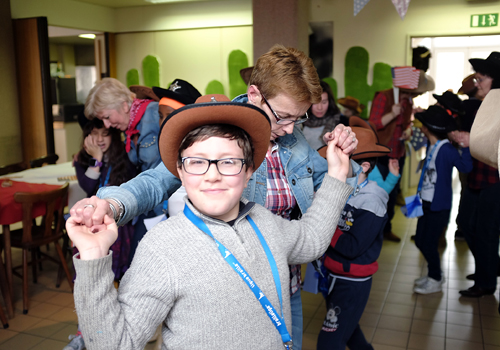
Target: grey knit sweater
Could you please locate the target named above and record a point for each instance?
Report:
(179, 278)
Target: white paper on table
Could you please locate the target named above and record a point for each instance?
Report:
(151, 222)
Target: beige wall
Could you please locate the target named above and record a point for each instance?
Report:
(184, 15)
(66, 13)
(380, 30)
(196, 55)
(10, 130)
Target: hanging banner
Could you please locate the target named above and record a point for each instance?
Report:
(358, 5)
(401, 6)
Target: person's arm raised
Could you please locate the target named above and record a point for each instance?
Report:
(137, 196)
(92, 242)
(338, 160)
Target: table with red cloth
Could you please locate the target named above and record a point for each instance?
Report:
(42, 179)
(11, 211)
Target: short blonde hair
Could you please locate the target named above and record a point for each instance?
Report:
(288, 70)
(109, 93)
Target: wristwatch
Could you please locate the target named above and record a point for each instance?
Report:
(94, 163)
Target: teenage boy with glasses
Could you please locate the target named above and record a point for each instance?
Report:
(284, 183)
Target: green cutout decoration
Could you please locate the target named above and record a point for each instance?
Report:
(132, 77)
(237, 61)
(356, 77)
(214, 87)
(151, 71)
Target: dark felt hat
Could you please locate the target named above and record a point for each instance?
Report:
(451, 102)
(213, 109)
(143, 92)
(437, 120)
(489, 66)
(368, 144)
(180, 90)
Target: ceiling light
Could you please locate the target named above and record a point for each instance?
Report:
(87, 36)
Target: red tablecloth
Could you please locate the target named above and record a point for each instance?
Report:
(12, 212)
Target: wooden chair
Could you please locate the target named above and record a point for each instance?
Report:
(49, 159)
(12, 168)
(6, 296)
(32, 236)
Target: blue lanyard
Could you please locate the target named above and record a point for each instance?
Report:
(276, 318)
(424, 169)
(358, 188)
(107, 178)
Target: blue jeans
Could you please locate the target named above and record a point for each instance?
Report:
(297, 321)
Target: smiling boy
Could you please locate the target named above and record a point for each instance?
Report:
(216, 275)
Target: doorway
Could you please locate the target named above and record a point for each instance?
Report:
(449, 63)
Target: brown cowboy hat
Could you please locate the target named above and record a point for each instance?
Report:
(143, 92)
(467, 85)
(246, 73)
(351, 103)
(368, 145)
(213, 109)
(425, 83)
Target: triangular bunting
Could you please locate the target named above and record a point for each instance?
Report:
(401, 6)
(358, 5)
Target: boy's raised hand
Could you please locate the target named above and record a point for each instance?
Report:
(346, 139)
(92, 242)
(338, 160)
(394, 166)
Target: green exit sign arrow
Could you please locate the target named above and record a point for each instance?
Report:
(487, 20)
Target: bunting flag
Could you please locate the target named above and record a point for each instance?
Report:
(405, 77)
(358, 5)
(400, 5)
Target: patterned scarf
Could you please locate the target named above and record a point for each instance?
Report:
(136, 112)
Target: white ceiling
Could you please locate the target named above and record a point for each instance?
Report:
(129, 3)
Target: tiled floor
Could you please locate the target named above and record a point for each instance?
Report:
(394, 318)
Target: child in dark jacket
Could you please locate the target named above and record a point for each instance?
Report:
(102, 161)
(351, 259)
(436, 192)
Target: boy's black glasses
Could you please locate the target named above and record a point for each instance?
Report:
(282, 121)
(225, 166)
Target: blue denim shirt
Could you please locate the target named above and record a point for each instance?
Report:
(145, 155)
(304, 169)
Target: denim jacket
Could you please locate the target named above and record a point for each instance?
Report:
(304, 169)
(145, 155)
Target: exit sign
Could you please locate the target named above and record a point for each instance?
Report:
(487, 20)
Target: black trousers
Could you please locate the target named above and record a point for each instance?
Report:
(481, 230)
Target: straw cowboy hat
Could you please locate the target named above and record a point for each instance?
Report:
(351, 103)
(485, 132)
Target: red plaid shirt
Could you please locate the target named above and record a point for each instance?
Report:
(280, 201)
(377, 112)
(482, 175)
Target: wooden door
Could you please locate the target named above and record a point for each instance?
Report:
(33, 82)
